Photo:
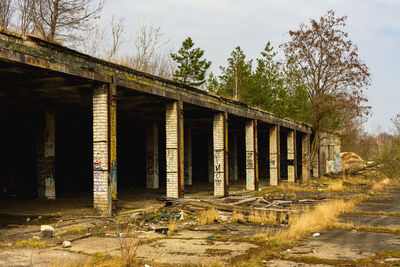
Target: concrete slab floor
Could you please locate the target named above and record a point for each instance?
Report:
(372, 220)
(348, 245)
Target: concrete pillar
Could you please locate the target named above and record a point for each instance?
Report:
(210, 159)
(220, 134)
(305, 157)
(175, 149)
(152, 175)
(291, 156)
(233, 163)
(274, 155)
(251, 155)
(104, 149)
(46, 157)
(188, 157)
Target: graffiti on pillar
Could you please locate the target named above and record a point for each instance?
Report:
(113, 147)
(150, 163)
(218, 165)
(49, 172)
(249, 160)
(172, 159)
(98, 182)
(250, 179)
(337, 163)
(272, 162)
(97, 164)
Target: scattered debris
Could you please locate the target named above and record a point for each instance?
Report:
(66, 244)
(316, 234)
(47, 231)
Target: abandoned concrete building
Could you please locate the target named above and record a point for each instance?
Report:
(71, 122)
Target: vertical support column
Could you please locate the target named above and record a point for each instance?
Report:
(175, 149)
(291, 155)
(274, 155)
(233, 160)
(152, 175)
(210, 159)
(102, 198)
(251, 155)
(46, 156)
(112, 146)
(49, 154)
(188, 157)
(220, 134)
(305, 157)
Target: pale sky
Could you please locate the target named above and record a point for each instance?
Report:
(218, 26)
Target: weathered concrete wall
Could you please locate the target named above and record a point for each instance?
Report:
(174, 152)
(220, 138)
(152, 162)
(274, 157)
(329, 153)
(251, 155)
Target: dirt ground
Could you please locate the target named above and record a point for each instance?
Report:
(147, 234)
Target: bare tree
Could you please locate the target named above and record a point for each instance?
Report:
(117, 33)
(332, 70)
(24, 9)
(148, 44)
(103, 42)
(6, 13)
(58, 19)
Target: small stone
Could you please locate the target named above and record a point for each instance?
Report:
(66, 244)
(46, 227)
(35, 237)
(47, 231)
(392, 259)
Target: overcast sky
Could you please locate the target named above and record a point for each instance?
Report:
(218, 26)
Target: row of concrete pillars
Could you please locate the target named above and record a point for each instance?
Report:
(178, 153)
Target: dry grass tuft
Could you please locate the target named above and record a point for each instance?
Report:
(263, 217)
(336, 187)
(379, 186)
(238, 217)
(208, 216)
(29, 244)
(172, 226)
(302, 225)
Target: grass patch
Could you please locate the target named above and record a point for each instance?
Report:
(172, 226)
(208, 216)
(29, 244)
(303, 225)
(238, 217)
(263, 217)
(336, 187)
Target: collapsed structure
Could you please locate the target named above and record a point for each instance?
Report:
(74, 122)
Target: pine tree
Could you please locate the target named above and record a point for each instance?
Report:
(236, 77)
(191, 69)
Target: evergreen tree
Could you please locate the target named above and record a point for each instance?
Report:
(212, 84)
(191, 69)
(236, 77)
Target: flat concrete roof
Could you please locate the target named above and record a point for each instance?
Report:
(34, 52)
